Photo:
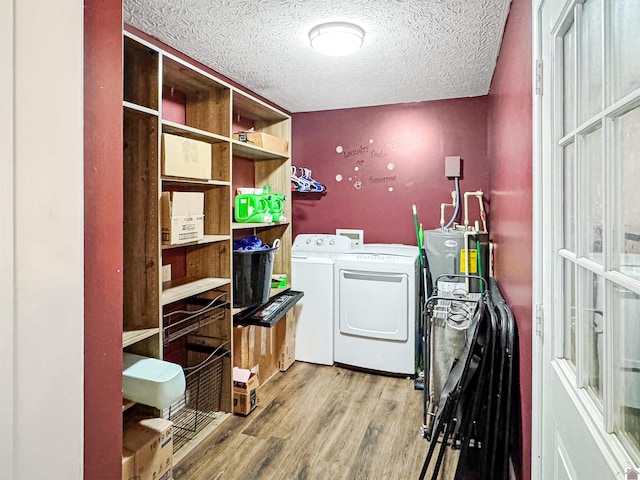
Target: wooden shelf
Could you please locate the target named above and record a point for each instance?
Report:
(251, 107)
(188, 287)
(192, 182)
(127, 404)
(140, 73)
(139, 109)
(243, 226)
(243, 149)
(135, 336)
(206, 240)
(192, 133)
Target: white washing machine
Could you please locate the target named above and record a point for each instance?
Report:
(312, 272)
(376, 307)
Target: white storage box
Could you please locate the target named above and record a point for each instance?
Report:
(151, 381)
(182, 217)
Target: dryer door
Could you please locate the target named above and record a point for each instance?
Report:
(373, 304)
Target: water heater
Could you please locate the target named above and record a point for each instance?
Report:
(446, 254)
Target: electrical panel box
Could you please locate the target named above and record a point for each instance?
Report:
(452, 167)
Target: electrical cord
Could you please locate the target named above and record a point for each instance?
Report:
(457, 209)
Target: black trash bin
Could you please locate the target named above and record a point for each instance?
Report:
(252, 271)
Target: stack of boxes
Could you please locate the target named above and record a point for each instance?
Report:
(147, 449)
(183, 212)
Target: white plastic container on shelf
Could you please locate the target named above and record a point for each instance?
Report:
(151, 381)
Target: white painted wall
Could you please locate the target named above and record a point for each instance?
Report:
(6, 241)
(41, 240)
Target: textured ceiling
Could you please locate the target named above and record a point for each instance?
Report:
(414, 50)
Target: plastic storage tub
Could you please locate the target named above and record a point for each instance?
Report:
(252, 270)
(151, 381)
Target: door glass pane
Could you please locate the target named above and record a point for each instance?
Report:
(568, 80)
(591, 59)
(626, 321)
(591, 196)
(569, 310)
(593, 317)
(626, 45)
(627, 192)
(568, 202)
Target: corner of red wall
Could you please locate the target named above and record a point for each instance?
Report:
(510, 152)
(103, 239)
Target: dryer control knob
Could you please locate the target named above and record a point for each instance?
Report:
(308, 241)
(332, 242)
(319, 242)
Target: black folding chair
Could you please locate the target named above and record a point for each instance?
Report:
(457, 383)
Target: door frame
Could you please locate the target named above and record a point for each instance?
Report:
(537, 264)
(42, 281)
(543, 269)
(6, 240)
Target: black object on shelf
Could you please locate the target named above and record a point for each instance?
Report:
(270, 313)
(252, 271)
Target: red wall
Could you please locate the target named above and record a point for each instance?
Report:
(103, 239)
(398, 147)
(510, 151)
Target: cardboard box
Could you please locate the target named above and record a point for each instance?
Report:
(183, 157)
(287, 329)
(182, 217)
(151, 441)
(245, 391)
(128, 467)
(264, 140)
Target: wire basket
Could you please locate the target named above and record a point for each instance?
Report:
(200, 403)
(197, 313)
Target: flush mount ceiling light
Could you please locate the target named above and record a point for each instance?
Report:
(336, 38)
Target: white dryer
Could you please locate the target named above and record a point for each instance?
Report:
(312, 272)
(376, 308)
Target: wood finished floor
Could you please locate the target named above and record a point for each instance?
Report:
(316, 422)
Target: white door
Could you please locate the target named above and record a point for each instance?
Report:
(587, 241)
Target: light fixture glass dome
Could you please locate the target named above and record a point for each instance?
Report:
(336, 38)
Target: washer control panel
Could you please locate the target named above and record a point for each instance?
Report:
(321, 242)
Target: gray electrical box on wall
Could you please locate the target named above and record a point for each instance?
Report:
(452, 167)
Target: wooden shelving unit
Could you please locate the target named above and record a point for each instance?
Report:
(164, 94)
